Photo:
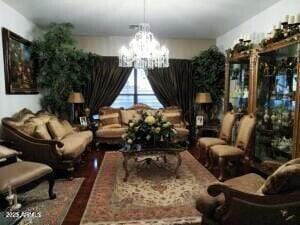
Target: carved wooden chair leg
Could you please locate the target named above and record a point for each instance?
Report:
(210, 159)
(246, 164)
(70, 173)
(208, 163)
(199, 151)
(51, 181)
(222, 167)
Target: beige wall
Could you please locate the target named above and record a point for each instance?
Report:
(14, 21)
(109, 46)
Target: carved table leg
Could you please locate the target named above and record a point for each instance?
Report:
(125, 166)
(51, 181)
(179, 160)
(165, 159)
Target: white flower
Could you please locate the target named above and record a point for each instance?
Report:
(129, 141)
(150, 120)
(165, 125)
(148, 137)
(131, 124)
(157, 130)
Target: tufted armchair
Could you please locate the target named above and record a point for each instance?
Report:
(250, 199)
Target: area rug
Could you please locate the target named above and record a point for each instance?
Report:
(152, 194)
(39, 210)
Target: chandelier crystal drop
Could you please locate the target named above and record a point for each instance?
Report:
(144, 51)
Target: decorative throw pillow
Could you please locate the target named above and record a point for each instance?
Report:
(20, 121)
(45, 117)
(22, 114)
(129, 114)
(41, 132)
(111, 126)
(68, 127)
(56, 129)
(30, 124)
(285, 179)
(173, 117)
(108, 119)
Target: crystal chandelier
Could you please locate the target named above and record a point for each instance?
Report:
(144, 50)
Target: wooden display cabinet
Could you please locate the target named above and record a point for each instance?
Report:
(238, 86)
(237, 74)
(275, 101)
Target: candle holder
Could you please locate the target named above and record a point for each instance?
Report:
(10, 196)
(16, 205)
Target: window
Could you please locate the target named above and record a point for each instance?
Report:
(137, 90)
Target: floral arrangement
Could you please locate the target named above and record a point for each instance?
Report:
(149, 128)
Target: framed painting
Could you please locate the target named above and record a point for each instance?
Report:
(19, 76)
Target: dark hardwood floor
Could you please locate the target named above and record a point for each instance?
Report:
(88, 170)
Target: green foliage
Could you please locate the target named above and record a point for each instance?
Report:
(208, 74)
(60, 67)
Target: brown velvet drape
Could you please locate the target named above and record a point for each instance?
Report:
(107, 80)
(174, 85)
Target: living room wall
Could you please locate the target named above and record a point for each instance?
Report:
(12, 20)
(260, 24)
(109, 46)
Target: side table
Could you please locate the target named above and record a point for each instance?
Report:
(92, 126)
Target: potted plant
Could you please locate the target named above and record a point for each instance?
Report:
(60, 67)
(209, 76)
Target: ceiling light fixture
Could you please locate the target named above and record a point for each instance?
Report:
(144, 50)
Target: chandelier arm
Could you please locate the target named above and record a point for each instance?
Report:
(144, 50)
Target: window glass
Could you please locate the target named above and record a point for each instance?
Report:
(137, 90)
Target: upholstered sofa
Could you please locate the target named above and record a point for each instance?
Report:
(114, 121)
(43, 138)
(250, 199)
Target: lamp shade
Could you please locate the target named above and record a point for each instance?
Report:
(202, 98)
(76, 97)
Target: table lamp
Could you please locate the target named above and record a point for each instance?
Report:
(75, 98)
(201, 99)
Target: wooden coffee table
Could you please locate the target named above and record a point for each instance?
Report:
(148, 154)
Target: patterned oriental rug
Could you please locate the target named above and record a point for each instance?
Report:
(152, 194)
(49, 212)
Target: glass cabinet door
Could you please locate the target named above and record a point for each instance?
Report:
(238, 87)
(275, 104)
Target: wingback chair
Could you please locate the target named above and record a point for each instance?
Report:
(252, 200)
(205, 143)
(225, 153)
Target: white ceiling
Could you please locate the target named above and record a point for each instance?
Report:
(168, 18)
